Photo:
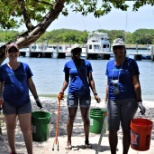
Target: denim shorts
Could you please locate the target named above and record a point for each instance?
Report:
(9, 109)
(121, 112)
(75, 101)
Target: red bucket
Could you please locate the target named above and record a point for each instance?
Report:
(141, 134)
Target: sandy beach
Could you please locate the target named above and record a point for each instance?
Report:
(50, 105)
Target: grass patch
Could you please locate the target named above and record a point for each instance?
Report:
(48, 95)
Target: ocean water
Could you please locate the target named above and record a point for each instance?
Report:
(49, 75)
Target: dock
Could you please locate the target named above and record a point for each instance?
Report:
(60, 51)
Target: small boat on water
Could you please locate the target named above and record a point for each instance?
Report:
(98, 45)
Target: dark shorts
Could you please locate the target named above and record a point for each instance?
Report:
(121, 111)
(75, 101)
(9, 109)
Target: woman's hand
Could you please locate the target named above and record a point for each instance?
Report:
(60, 96)
(97, 99)
(142, 108)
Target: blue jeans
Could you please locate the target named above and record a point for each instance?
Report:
(75, 101)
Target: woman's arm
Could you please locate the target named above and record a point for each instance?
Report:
(34, 92)
(65, 83)
(106, 92)
(93, 88)
(32, 88)
(137, 87)
(1, 89)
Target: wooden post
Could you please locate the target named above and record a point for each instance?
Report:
(152, 53)
(136, 48)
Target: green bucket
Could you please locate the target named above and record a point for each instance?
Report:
(97, 116)
(40, 125)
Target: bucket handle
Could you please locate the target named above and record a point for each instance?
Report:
(138, 116)
(95, 104)
(141, 115)
(42, 109)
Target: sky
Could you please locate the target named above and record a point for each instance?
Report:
(116, 20)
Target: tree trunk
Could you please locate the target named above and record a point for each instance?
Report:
(30, 37)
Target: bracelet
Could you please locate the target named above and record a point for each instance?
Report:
(95, 94)
(139, 100)
(36, 97)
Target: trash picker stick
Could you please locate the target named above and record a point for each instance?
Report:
(56, 142)
(102, 134)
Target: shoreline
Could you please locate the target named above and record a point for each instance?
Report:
(54, 96)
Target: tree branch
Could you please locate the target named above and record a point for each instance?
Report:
(29, 37)
(26, 17)
(43, 2)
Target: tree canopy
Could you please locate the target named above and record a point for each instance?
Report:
(28, 11)
(37, 15)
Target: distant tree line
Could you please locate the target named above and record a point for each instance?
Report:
(70, 36)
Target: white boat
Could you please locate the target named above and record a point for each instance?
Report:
(84, 52)
(98, 45)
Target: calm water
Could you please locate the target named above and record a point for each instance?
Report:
(49, 76)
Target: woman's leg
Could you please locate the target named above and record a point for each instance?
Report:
(70, 122)
(25, 124)
(10, 126)
(85, 117)
(113, 141)
(113, 124)
(126, 141)
(128, 110)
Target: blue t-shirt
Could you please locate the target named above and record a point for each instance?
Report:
(121, 77)
(77, 85)
(16, 90)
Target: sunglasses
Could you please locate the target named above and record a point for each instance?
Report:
(12, 50)
(118, 47)
(76, 51)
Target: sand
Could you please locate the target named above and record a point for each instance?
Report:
(50, 105)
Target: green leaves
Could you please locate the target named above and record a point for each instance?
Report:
(12, 11)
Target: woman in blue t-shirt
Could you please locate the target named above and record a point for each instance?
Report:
(79, 71)
(123, 94)
(15, 82)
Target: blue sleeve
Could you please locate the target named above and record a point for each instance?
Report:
(28, 70)
(88, 65)
(109, 66)
(133, 67)
(66, 68)
(106, 72)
